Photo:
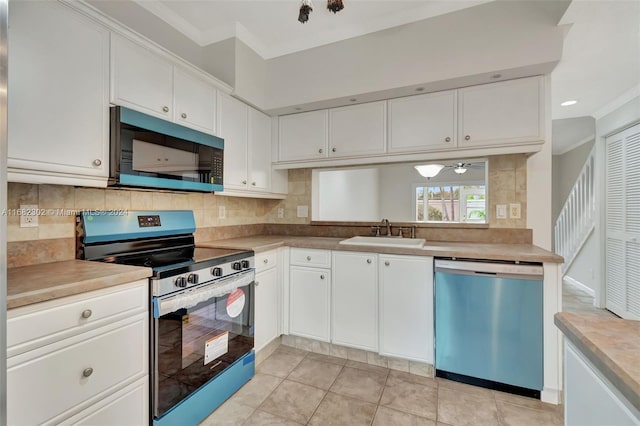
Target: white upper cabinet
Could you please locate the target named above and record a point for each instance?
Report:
(59, 102)
(508, 112)
(147, 82)
(259, 156)
(141, 79)
(195, 102)
(357, 130)
(232, 127)
(423, 122)
(303, 136)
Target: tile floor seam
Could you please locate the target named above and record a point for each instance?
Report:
(316, 409)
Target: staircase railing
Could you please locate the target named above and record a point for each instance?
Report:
(577, 217)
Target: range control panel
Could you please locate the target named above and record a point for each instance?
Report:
(149, 221)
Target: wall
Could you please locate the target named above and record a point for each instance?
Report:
(566, 169)
(583, 269)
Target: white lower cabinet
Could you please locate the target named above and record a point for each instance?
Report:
(354, 300)
(590, 399)
(309, 298)
(90, 373)
(406, 307)
(268, 295)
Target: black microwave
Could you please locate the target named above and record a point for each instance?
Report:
(149, 152)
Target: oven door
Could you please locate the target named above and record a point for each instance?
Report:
(197, 333)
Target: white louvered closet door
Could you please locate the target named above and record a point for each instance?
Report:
(623, 223)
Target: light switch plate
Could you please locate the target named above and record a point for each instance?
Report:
(501, 211)
(514, 211)
(280, 213)
(303, 211)
(222, 212)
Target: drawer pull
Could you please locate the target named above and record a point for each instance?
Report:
(386, 263)
(308, 257)
(165, 108)
(369, 261)
(87, 372)
(86, 313)
(266, 261)
(183, 115)
(322, 277)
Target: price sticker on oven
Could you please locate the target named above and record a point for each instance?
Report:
(235, 302)
(216, 347)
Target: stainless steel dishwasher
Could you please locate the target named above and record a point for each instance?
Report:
(488, 324)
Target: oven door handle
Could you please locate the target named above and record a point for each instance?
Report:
(192, 296)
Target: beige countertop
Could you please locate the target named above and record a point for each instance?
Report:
(520, 252)
(46, 281)
(611, 344)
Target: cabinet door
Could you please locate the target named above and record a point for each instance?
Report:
(259, 151)
(141, 79)
(590, 399)
(309, 302)
(423, 122)
(406, 307)
(354, 300)
(358, 130)
(303, 136)
(232, 127)
(59, 84)
(267, 312)
(195, 102)
(508, 112)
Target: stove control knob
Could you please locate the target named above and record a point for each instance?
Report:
(236, 266)
(180, 282)
(216, 272)
(192, 279)
(245, 264)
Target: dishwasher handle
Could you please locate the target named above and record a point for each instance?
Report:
(490, 269)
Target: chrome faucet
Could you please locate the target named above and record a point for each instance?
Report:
(386, 223)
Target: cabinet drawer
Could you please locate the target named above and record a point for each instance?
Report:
(266, 260)
(50, 381)
(39, 324)
(311, 257)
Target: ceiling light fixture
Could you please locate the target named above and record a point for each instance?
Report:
(460, 169)
(429, 170)
(496, 76)
(419, 89)
(352, 100)
(568, 103)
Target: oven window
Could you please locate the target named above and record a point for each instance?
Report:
(194, 345)
(146, 153)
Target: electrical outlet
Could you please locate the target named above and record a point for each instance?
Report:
(222, 212)
(514, 211)
(303, 211)
(280, 213)
(501, 211)
(28, 215)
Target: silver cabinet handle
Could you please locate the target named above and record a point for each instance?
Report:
(87, 372)
(369, 261)
(183, 115)
(308, 257)
(165, 108)
(244, 182)
(447, 139)
(86, 313)
(333, 149)
(387, 263)
(253, 183)
(266, 261)
(97, 162)
(322, 277)
(466, 138)
(320, 151)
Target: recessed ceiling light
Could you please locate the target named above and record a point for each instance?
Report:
(352, 100)
(419, 89)
(569, 103)
(298, 109)
(496, 76)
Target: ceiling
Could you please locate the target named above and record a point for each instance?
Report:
(600, 66)
(271, 27)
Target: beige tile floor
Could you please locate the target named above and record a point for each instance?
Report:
(293, 387)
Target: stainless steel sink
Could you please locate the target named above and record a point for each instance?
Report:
(417, 243)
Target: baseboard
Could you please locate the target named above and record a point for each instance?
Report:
(551, 396)
(591, 292)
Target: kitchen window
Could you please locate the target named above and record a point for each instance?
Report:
(450, 203)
